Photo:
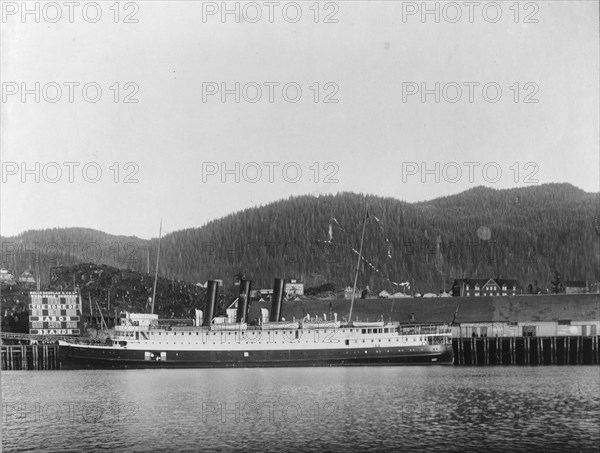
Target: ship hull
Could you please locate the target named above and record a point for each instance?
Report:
(82, 357)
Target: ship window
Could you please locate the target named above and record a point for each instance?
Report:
(364, 331)
(369, 330)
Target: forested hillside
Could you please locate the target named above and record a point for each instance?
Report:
(524, 233)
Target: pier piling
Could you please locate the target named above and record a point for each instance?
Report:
(30, 357)
(574, 350)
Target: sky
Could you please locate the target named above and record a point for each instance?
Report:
(114, 118)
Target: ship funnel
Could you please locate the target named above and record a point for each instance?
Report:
(212, 289)
(243, 299)
(277, 297)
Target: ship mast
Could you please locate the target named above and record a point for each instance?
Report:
(362, 237)
(156, 270)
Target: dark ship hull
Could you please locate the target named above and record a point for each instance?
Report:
(82, 357)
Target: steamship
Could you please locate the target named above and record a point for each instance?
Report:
(229, 341)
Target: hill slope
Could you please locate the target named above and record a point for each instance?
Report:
(522, 233)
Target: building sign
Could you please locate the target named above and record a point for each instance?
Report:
(54, 313)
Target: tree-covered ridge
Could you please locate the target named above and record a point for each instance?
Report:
(523, 233)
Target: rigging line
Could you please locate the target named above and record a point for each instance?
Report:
(387, 241)
(362, 238)
(387, 279)
(381, 229)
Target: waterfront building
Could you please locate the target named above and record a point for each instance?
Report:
(575, 287)
(485, 287)
(560, 328)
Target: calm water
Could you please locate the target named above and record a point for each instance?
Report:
(303, 409)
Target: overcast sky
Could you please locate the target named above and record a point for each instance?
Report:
(374, 58)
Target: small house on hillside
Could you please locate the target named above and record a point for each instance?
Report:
(348, 293)
(293, 289)
(266, 294)
(6, 277)
(205, 285)
(485, 287)
(27, 278)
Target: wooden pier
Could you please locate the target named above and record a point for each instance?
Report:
(565, 350)
(30, 357)
(558, 350)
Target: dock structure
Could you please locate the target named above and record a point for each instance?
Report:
(487, 351)
(504, 330)
(30, 357)
(555, 350)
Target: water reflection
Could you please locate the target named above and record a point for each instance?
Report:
(304, 409)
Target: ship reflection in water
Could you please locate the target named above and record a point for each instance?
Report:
(303, 409)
